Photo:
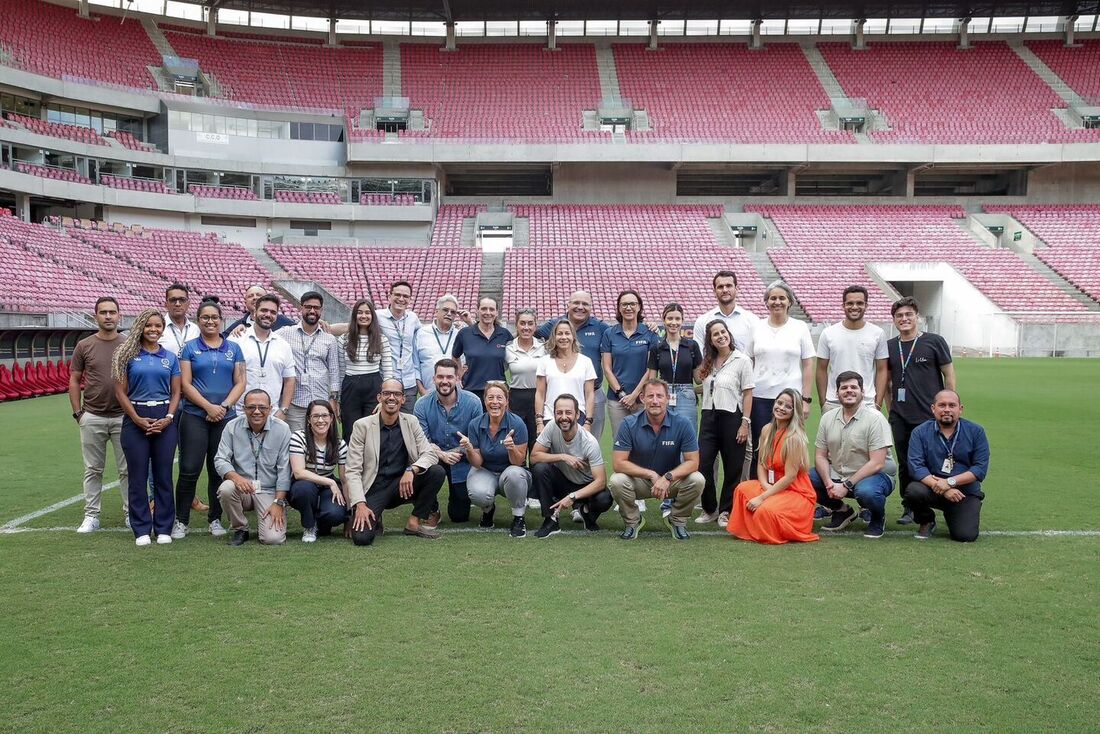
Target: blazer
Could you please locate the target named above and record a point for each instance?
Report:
(362, 465)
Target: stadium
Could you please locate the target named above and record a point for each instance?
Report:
(522, 151)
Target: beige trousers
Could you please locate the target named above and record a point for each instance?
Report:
(236, 503)
(627, 489)
(95, 433)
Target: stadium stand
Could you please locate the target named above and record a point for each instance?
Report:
(828, 247)
(134, 184)
(222, 192)
(1071, 233)
(308, 197)
(58, 130)
(449, 220)
(931, 92)
(513, 92)
(1078, 66)
(52, 40)
(387, 199)
(706, 91)
(53, 172)
(127, 140)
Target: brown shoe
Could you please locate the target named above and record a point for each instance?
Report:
(432, 522)
(199, 506)
(423, 532)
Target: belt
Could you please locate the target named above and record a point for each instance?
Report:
(681, 384)
(149, 403)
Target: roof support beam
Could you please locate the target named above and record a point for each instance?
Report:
(653, 34)
(1068, 22)
(963, 27)
(212, 21)
(754, 40)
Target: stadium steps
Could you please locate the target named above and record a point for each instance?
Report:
(1048, 75)
(156, 35)
(391, 69)
(491, 284)
(609, 74)
(722, 233)
(765, 268)
(1064, 285)
(824, 74)
(469, 237)
(277, 271)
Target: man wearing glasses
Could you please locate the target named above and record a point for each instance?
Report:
(400, 325)
(436, 341)
(316, 361)
(254, 461)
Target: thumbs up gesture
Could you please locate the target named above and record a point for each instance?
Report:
(463, 442)
(509, 441)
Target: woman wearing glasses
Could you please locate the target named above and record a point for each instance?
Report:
(624, 350)
(522, 356)
(212, 372)
(315, 454)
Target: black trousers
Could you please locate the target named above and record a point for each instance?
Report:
(962, 517)
(458, 498)
(718, 437)
(358, 399)
(902, 430)
(386, 496)
(316, 506)
(551, 485)
(199, 439)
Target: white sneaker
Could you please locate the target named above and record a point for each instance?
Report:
(707, 517)
(179, 530)
(534, 504)
(641, 505)
(90, 525)
(577, 516)
(723, 519)
(164, 539)
(309, 535)
(126, 522)
(142, 541)
(216, 529)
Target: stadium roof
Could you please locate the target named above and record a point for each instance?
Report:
(535, 10)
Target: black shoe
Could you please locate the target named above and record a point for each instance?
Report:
(519, 527)
(590, 524)
(865, 515)
(841, 519)
(487, 518)
(906, 518)
(240, 537)
(549, 527)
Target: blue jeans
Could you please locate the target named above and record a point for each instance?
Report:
(686, 404)
(870, 492)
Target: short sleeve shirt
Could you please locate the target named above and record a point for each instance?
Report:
(94, 357)
(564, 383)
(855, 350)
(149, 375)
(656, 450)
(849, 445)
(269, 362)
(685, 360)
(494, 456)
(485, 358)
(523, 364)
(322, 466)
(629, 354)
(922, 377)
(724, 387)
(174, 339)
(211, 372)
(584, 446)
(777, 356)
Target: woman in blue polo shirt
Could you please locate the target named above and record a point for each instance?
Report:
(147, 383)
(483, 345)
(497, 449)
(213, 379)
(624, 351)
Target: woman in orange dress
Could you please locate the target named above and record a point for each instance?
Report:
(778, 506)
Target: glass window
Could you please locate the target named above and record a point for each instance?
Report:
(773, 27)
(155, 7)
(840, 27)
(873, 25)
(305, 131)
(109, 125)
(351, 26)
(107, 3)
(602, 27)
(904, 25)
(939, 25)
(190, 11)
(390, 27)
(53, 114)
(252, 129)
(702, 28)
(735, 27)
(1014, 24)
(422, 28)
(634, 28)
(805, 27)
(571, 28)
(670, 28)
(270, 20)
(1042, 23)
(980, 25)
(307, 23)
(530, 28)
(219, 125)
(1084, 23)
(502, 28)
(232, 17)
(469, 28)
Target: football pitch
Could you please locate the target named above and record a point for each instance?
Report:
(481, 632)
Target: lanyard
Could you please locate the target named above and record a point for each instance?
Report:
(950, 446)
(176, 336)
(262, 353)
(906, 357)
(674, 357)
(400, 329)
(446, 350)
(256, 451)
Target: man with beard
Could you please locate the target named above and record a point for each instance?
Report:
(443, 414)
(268, 358)
(739, 321)
(390, 463)
(568, 470)
(436, 341)
(852, 345)
(589, 334)
(316, 361)
(948, 460)
(251, 299)
(852, 445)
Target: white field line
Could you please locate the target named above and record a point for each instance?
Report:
(14, 524)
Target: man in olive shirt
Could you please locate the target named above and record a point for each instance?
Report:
(99, 415)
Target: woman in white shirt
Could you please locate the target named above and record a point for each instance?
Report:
(522, 357)
(782, 355)
(564, 371)
(724, 421)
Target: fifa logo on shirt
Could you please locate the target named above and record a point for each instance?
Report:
(668, 443)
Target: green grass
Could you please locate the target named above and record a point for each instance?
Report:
(481, 633)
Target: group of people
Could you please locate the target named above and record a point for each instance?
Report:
(343, 421)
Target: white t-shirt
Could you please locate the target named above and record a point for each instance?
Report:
(739, 323)
(855, 350)
(278, 364)
(564, 383)
(777, 356)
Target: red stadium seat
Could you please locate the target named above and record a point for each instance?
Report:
(21, 386)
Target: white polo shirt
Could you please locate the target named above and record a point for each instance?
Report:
(174, 337)
(740, 323)
(268, 363)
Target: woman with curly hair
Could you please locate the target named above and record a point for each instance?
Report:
(147, 384)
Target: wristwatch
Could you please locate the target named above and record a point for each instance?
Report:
(621, 393)
(951, 482)
(572, 496)
(170, 416)
(848, 484)
(77, 414)
(808, 399)
(281, 503)
(668, 476)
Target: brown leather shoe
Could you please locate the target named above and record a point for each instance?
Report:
(199, 506)
(423, 532)
(432, 522)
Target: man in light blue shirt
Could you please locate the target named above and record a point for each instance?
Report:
(400, 325)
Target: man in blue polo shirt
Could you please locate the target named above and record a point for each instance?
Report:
(445, 413)
(656, 454)
(589, 333)
(948, 460)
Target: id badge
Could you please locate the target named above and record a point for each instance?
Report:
(901, 394)
(263, 374)
(672, 399)
(771, 476)
(948, 465)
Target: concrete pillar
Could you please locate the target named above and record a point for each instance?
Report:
(792, 179)
(23, 207)
(755, 41)
(860, 43)
(964, 33)
(451, 36)
(1067, 30)
(552, 35)
(82, 9)
(212, 22)
(653, 35)
(332, 31)
(910, 183)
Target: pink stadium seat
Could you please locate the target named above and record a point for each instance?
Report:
(8, 390)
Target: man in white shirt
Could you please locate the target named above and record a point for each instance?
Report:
(177, 329)
(852, 345)
(400, 325)
(437, 340)
(739, 320)
(268, 358)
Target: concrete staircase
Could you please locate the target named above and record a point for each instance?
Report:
(391, 69)
(469, 236)
(276, 270)
(609, 74)
(521, 231)
(767, 272)
(1064, 285)
(722, 233)
(824, 73)
(164, 48)
(1055, 82)
(492, 279)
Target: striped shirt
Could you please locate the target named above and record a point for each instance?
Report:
(321, 466)
(316, 363)
(362, 365)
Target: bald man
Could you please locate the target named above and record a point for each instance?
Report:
(948, 460)
(251, 298)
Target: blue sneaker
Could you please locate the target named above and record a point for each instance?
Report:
(666, 508)
(875, 528)
(865, 515)
(821, 512)
(630, 532)
(679, 532)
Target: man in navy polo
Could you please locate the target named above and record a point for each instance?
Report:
(444, 414)
(656, 454)
(589, 333)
